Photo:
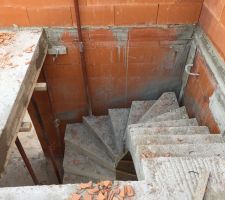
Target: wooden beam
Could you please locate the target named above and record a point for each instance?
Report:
(32, 45)
(40, 87)
(25, 127)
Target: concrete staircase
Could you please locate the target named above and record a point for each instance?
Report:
(160, 137)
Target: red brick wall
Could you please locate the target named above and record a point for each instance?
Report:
(197, 93)
(199, 89)
(213, 23)
(99, 12)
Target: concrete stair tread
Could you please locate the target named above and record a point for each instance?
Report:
(166, 103)
(138, 109)
(145, 139)
(118, 118)
(81, 165)
(181, 150)
(171, 123)
(101, 126)
(180, 130)
(173, 176)
(136, 134)
(69, 178)
(179, 113)
(79, 138)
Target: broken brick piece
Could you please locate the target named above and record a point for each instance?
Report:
(129, 191)
(101, 196)
(88, 196)
(111, 195)
(122, 192)
(75, 196)
(106, 194)
(86, 185)
(107, 183)
(93, 190)
(117, 190)
(28, 50)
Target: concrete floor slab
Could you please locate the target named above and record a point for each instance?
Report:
(22, 53)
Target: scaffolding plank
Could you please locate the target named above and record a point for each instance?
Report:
(22, 53)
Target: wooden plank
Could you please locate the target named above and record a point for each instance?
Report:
(25, 52)
(40, 87)
(25, 127)
(202, 185)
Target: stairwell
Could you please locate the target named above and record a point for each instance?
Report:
(168, 148)
(63, 61)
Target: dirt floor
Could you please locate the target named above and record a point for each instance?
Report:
(16, 173)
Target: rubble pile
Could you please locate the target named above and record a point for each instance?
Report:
(104, 190)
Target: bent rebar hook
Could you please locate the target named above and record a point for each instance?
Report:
(187, 70)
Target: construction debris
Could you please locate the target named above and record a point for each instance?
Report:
(104, 190)
(75, 196)
(6, 60)
(6, 38)
(86, 185)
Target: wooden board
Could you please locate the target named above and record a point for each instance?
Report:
(22, 53)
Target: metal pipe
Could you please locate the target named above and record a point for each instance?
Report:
(26, 161)
(46, 140)
(82, 57)
(56, 121)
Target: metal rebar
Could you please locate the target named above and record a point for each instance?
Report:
(82, 57)
(26, 161)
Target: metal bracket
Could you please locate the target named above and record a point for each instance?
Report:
(57, 50)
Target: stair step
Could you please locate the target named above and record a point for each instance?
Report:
(172, 123)
(138, 109)
(78, 164)
(72, 179)
(101, 126)
(179, 113)
(118, 118)
(79, 138)
(144, 139)
(181, 150)
(177, 150)
(178, 178)
(144, 135)
(166, 103)
(179, 130)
